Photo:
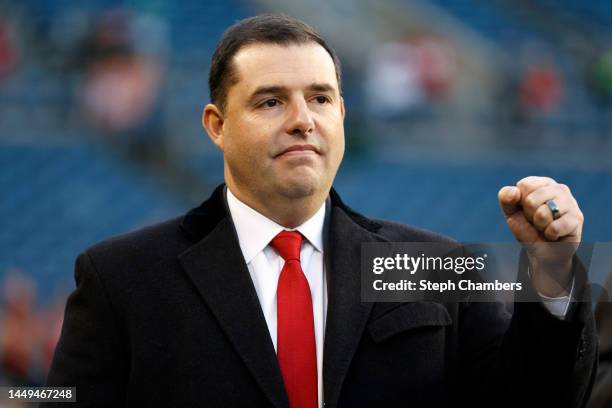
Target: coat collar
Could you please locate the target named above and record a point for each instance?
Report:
(200, 221)
(216, 266)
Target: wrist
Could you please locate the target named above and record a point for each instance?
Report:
(552, 279)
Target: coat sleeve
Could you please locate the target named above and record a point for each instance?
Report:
(91, 354)
(533, 359)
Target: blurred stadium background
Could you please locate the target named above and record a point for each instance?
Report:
(448, 100)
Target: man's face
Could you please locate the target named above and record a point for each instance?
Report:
(283, 131)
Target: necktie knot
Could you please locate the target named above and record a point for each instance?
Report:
(288, 245)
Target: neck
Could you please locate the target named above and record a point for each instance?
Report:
(288, 212)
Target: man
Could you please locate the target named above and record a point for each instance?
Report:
(253, 298)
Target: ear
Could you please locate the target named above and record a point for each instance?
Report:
(212, 121)
(342, 111)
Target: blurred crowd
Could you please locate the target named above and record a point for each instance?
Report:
(422, 71)
(28, 331)
(409, 75)
(103, 71)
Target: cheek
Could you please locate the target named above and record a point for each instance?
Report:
(254, 130)
(340, 146)
(247, 147)
(241, 136)
(335, 139)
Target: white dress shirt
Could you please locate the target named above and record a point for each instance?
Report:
(558, 306)
(255, 232)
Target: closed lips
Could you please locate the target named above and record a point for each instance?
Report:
(299, 148)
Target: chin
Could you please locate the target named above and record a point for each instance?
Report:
(300, 188)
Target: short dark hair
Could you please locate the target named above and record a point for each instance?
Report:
(266, 29)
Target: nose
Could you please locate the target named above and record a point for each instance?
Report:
(300, 121)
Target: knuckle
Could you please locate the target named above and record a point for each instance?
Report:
(524, 181)
(539, 180)
(537, 217)
(530, 202)
(564, 188)
(551, 233)
(541, 215)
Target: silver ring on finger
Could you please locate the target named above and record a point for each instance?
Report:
(554, 209)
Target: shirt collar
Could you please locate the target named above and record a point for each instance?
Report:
(255, 231)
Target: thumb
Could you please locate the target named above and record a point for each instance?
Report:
(509, 198)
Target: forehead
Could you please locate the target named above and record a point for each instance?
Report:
(293, 66)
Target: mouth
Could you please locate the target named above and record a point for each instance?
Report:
(297, 150)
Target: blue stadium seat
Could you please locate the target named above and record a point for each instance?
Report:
(59, 200)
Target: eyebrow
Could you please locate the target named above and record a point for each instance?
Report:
(321, 87)
(283, 90)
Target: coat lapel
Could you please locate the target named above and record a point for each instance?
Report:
(217, 268)
(346, 314)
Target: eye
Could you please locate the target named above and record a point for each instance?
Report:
(321, 99)
(270, 103)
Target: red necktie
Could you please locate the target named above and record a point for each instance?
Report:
(295, 346)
